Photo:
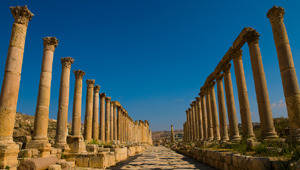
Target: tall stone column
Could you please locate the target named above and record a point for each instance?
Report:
(142, 130)
(137, 131)
(95, 131)
(102, 117)
(287, 71)
(243, 95)
(107, 120)
(210, 136)
(191, 124)
(222, 109)
(115, 123)
(123, 125)
(188, 126)
(196, 120)
(204, 119)
(172, 134)
(39, 140)
(262, 95)
(76, 118)
(112, 120)
(214, 112)
(10, 86)
(88, 121)
(233, 124)
(119, 124)
(192, 112)
(63, 103)
(200, 127)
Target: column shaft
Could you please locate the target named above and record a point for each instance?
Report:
(102, 117)
(200, 128)
(95, 131)
(88, 121)
(209, 117)
(112, 121)
(204, 118)
(107, 120)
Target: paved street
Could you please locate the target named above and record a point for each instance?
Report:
(161, 158)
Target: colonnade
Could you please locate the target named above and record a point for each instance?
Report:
(115, 123)
(202, 122)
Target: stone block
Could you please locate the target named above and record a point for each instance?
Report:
(25, 153)
(228, 158)
(67, 165)
(82, 161)
(54, 167)
(92, 148)
(76, 144)
(216, 164)
(259, 163)
(98, 161)
(221, 165)
(277, 165)
(38, 163)
(241, 161)
(226, 166)
(235, 162)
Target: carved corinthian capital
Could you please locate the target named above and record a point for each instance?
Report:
(237, 54)
(96, 89)
(78, 74)
(219, 77)
(67, 61)
(226, 67)
(252, 36)
(22, 15)
(50, 43)
(90, 82)
(276, 13)
(107, 99)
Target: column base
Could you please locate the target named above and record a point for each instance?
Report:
(42, 145)
(76, 144)
(269, 135)
(235, 138)
(294, 137)
(63, 146)
(9, 155)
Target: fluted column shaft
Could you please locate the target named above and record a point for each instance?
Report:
(222, 109)
(233, 124)
(76, 118)
(95, 131)
(243, 95)
(102, 117)
(287, 71)
(88, 121)
(63, 103)
(107, 120)
(209, 117)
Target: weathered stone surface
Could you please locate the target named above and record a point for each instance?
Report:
(261, 163)
(38, 163)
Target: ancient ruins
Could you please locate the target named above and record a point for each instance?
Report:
(111, 135)
(122, 136)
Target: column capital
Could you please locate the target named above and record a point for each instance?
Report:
(252, 36)
(171, 125)
(219, 77)
(276, 13)
(226, 68)
(140, 121)
(187, 111)
(102, 95)
(197, 98)
(190, 109)
(237, 54)
(107, 99)
(211, 84)
(78, 74)
(67, 61)
(90, 82)
(192, 104)
(22, 15)
(50, 43)
(96, 89)
(119, 107)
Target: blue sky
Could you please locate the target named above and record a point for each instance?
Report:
(152, 56)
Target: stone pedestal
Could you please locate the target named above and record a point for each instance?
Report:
(233, 124)
(10, 86)
(243, 95)
(88, 121)
(76, 144)
(62, 115)
(40, 140)
(95, 131)
(102, 117)
(287, 71)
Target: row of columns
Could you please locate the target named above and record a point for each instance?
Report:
(210, 129)
(121, 128)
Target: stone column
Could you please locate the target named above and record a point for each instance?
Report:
(222, 109)
(287, 70)
(243, 95)
(62, 115)
(142, 130)
(102, 117)
(214, 112)
(119, 124)
(95, 131)
(200, 131)
(39, 140)
(172, 134)
(137, 132)
(107, 120)
(204, 120)
(112, 120)
(123, 125)
(196, 120)
(10, 86)
(210, 136)
(88, 121)
(262, 95)
(233, 124)
(76, 118)
(188, 125)
(115, 123)
(191, 124)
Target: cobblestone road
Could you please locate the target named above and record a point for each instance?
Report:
(161, 158)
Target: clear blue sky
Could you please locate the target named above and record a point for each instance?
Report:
(152, 56)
